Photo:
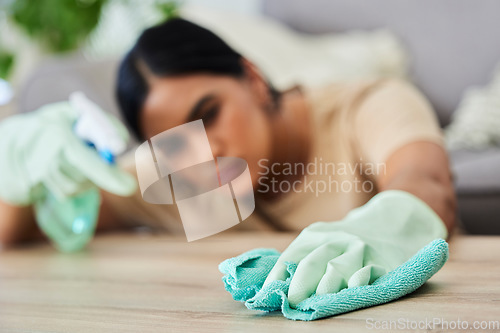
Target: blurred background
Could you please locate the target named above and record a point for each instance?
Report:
(448, 49)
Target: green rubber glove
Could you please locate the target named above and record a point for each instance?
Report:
(40, 148)
(369, 242)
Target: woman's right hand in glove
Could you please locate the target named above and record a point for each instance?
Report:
(40, 148)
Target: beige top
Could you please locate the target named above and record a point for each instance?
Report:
(356, 127)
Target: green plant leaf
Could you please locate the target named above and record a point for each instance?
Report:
(169, 9)
(60, 25)
(6, 64)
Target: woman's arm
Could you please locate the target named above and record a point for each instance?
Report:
(422, 168)
(18, 224)
(396, 127)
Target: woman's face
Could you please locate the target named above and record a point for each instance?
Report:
(232, 110)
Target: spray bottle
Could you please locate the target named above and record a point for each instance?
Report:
(70, 222)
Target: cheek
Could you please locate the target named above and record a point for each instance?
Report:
(247, 129)
(248, 136)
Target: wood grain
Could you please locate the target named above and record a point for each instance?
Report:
(148, 283)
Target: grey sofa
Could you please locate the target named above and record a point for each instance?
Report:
(454, 44)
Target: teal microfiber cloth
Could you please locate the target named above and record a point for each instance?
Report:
(245, 275)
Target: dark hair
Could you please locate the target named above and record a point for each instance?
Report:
(172, 48)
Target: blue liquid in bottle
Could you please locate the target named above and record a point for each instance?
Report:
(70, 222)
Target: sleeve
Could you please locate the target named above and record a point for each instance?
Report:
(133, 210)
(391, 115)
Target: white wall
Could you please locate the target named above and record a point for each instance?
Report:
(240, 6)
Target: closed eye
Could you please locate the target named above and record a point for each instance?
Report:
(210, 115)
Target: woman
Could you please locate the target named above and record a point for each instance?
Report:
(365, 137)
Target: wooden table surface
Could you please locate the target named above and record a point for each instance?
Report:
(148, 283)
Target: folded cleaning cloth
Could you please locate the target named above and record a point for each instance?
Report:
(246, 273)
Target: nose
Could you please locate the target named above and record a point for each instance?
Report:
(217, 147)
(217, 143)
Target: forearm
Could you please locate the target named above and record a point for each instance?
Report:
(422, 169)
(17, 224)
(437, 193)
(108, 218)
